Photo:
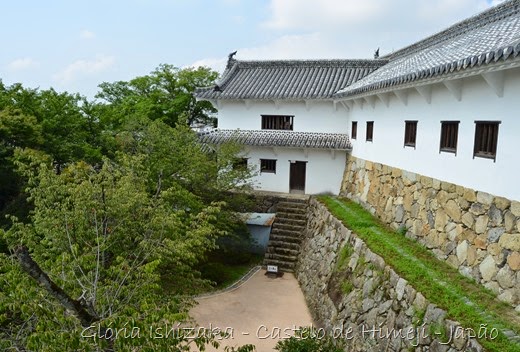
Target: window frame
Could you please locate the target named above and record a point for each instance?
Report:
(353, 130)
(491, 144)
(370, 131)
(410, 133)
(269, 122)
(448, 136)
(271, 163)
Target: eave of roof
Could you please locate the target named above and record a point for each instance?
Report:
(278, 138)
(489, 38)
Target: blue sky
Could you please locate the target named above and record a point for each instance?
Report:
(74, 45)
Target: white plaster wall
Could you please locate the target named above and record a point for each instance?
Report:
(317, 116)
(323, 173)
(478, 102)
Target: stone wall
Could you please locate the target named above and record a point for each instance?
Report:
(354, 295)
(475, 232)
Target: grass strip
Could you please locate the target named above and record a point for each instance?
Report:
(464, 299)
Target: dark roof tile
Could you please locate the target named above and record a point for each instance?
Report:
(278, 138)
(296, 80)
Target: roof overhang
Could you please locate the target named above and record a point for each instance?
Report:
(279, 138)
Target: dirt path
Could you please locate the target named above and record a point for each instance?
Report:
(260, 312)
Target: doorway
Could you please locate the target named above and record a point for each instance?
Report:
(297, 177)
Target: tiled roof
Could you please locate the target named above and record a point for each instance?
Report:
(489, 37)
(299, 79)
(278, 138)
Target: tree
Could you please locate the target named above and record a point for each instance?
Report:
(165, 94)
(92, 254)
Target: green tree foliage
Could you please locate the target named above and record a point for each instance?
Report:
(165, 94)
(309, 339)
(123, 197)
(104, 236)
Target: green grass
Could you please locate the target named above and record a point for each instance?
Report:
(464, 300)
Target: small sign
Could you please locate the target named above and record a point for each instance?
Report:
(272, 269)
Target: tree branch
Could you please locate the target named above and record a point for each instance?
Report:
(33, 269)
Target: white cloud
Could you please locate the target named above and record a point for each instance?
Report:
(22, 64)
(350, 29)
(82, 68)
(86, 34)
(288, 14)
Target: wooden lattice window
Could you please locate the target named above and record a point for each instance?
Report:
(353, 130)
(449, 136)
(268, 165)
(486, 139)
(410, 133)
(277, 122)
(370, 131)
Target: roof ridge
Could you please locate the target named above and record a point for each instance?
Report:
(493, 14)
(311, 62)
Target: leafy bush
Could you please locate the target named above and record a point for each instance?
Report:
(307, 339)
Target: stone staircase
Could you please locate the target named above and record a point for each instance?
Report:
(286, 234)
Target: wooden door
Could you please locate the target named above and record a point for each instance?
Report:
(297, 176)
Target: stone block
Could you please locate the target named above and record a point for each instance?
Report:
(502, 203)
(441, 218)
(470, 195)
(514, 261)
(462, 251)
(515, 208)
(494, 234)
(436, 184)
(510, 241)
(453, 210)
(506, 277)
(495, 215)
(426, 181)
(481, 224)
(471, 257)
(468, 219)
(485, 198)
(448, 187)
(488, 268)
(509, 221)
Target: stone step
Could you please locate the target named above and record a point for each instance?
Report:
(295, 200)
(288, 233)
(284, 244)
(286, 204)
(292, 216)
(283, 251)
(290, 227)
(288, 221)
(286, 239)
(281, 257)
(291, 211)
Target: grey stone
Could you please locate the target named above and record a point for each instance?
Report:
(462, 251)
(495, 215)
(488, 268)
(494, 234)
(400, 287)
(506, 277)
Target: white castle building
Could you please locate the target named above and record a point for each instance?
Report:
(445, 107)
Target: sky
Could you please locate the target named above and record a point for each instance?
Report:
(74, 45)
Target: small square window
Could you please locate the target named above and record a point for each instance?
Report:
(370, 131)
(353, 130)
(268, 165)
(410, 133)
(449, 136)
(486, 139)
